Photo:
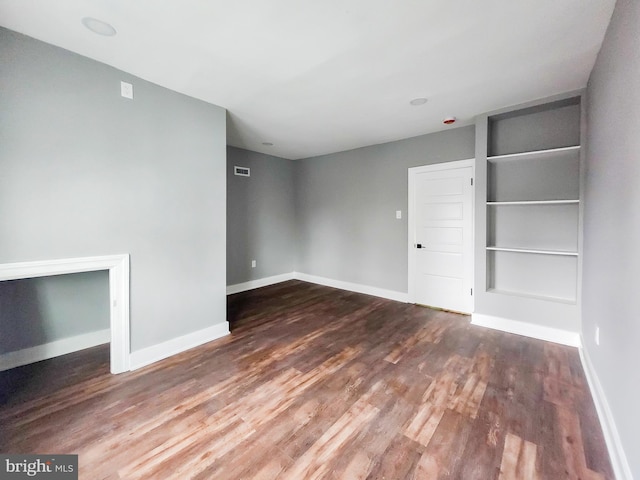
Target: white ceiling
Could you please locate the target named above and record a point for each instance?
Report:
(315, 77)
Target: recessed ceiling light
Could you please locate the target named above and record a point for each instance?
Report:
(99, 27)
(418, 101)
(267, 144)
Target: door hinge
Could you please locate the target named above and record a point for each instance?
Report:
(472, 291)
(472, 182)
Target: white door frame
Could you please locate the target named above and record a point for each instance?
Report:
(413, 172)
(118, 266)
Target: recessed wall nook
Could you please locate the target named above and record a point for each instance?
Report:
(118, 267)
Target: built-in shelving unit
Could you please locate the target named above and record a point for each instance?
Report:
(533, 201)
(528, 210)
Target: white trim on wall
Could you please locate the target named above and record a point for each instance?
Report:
(550, 334)
(621, 468)
(54, 349)
(160, 351)
(118, 267)
(327, 282)
(261, 282)
(352, 287)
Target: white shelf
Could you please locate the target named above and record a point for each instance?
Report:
(517, 156)
(546, 298)
(535, 202)
(541, 252)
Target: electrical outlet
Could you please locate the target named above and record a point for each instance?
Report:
(126, 90)
(253, 264)
(597, 335)
(399, 214)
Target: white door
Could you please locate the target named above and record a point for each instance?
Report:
(441, 235)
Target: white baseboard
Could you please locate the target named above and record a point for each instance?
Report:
(550, 334)
(261, 282)
(621, 468)
(155, 353)
(328, 282)
(54, 349)
(353, 287)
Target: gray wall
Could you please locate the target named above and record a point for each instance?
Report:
(85, 172)
(538, 129)
(346, 204)
(260, 216)
(611, 222)
(42, 310)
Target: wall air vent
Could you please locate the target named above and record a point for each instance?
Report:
(242, 171)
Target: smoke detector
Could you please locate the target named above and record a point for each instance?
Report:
(99, 27)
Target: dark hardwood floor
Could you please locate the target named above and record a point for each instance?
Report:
(312, 383)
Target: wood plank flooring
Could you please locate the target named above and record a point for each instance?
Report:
(318, 383)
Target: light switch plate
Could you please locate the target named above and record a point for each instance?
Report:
(126, 90)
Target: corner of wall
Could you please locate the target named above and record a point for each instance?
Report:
(619, 461)
(155, 353)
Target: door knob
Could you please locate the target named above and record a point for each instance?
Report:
(419, 245)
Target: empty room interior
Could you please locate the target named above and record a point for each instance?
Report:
(347, 240)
